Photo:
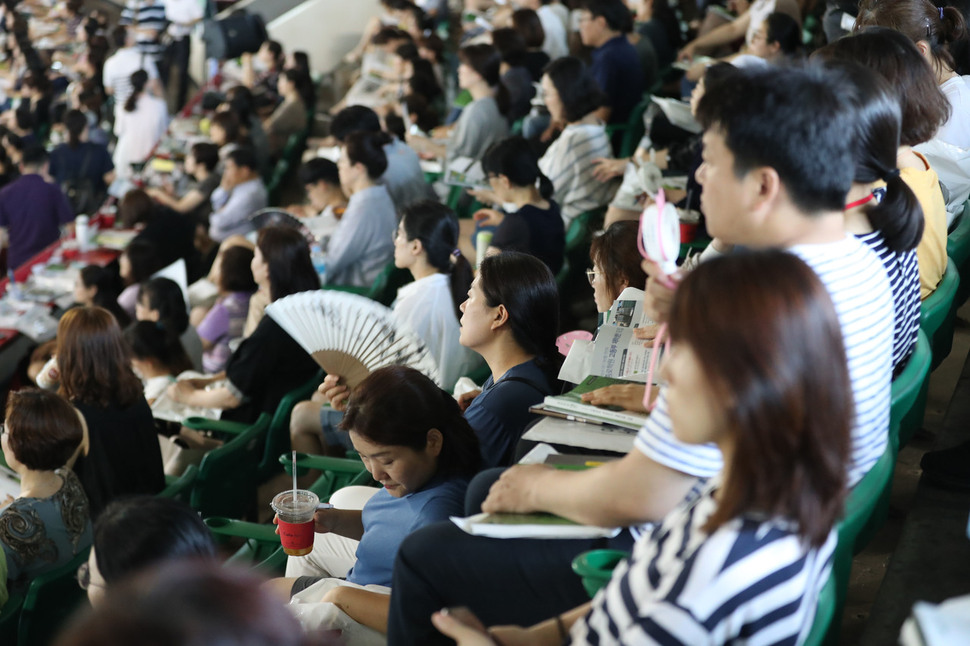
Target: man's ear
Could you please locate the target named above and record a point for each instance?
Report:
(766, 188)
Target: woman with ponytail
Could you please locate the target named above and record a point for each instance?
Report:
(483, 122)
(426, 244)
(157, 357)
(529, 219)
(139, 125)
(933, 29)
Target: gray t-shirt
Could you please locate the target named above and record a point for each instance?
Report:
(479, 127)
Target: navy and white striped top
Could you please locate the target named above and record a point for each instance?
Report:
(857, 283)
(754, 580)
(146, 14)
(568, 163)
(903, 271)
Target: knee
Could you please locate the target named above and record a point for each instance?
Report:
(305, 419)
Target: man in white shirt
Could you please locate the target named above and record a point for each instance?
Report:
(123, 63)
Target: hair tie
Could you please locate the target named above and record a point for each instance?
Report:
(455, 255)
(941, 13)
(891, 175)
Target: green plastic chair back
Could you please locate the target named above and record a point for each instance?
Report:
(275, 182)
(180, 487)
(936, 313)
(578, 238)
(958, 249)
(226, 483)
(336, 473)
(906, 414)
(278, 433)
(824, 628)
(634, 129)
(50, 600)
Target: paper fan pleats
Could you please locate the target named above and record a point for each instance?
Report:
(350, 335)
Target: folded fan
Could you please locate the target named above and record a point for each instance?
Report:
(274, 217)
(350, 335)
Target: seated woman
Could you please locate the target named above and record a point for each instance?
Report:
(425, 245)
(511, 318)
(157, 357)
(290, 116)
(161, 301)
(529, 220)
(924, 107)
(572, 97)
(744, 556)
(139, 125)
(138, 533)
(360, 248)
(120, 454)
(482, 122)
(255, 383)
(136, 264)
(225, 321)
(96, 286)
(83, 168)
(413, 440)
(50, 521)
(171, 234)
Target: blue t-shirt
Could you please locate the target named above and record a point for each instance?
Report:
(87, 160)
(500, 413)
(388, 521)
(616, 68)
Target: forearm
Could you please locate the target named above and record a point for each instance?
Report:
(723, 35)
(366, 607)
(221, 398)
(346, 522)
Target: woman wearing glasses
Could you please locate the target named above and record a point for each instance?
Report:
(49, 523)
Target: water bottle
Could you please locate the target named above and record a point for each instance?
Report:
(13, 287)
(319, 260)
(82, 231)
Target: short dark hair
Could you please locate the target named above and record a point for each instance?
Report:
(143, 258)
(34, 156)
(163, 295)
(368, 149)
(793, 120)
(319, 169)
(896, 58)
(229, 122)
(772, 346)
(287, 254)
(236, 274)
(510, 45)
(205, 154)
(355, 118)
(244, 157)
(515, 158)
(615, 250)
(783, 29)
(578, 90)
(616, 14)
(527, 23)
(140, 531)
(397, 406)
(43, 429)
(150, 340)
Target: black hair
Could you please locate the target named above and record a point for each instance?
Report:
(205, 154)
(485, 60)
(960, 47)
(243, 157)
(34, 155)
(419, 108)
(615, 12)
(578, 90)
(150, 340)
(398, 406)
(134, 533)
(783, 29)
(898, 215)
(235, 271)
(240, 100)
(75, 122)
(511, 46)
(527, 289)
(119, 36)
(918, 20)
(304, 86)
(515, 158)
(436, 226)
(276, 50)
(229, 123)
(527, 23)
(407, 51)
(138, 81)
(423, 80)
(24, 117)
(793, 120)
(287, 255)
(164, 296)
(319, 169)
(143, 259)
(109, 286)
(356, 118)
(368, 149)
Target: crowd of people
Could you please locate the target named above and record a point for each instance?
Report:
(812, 164)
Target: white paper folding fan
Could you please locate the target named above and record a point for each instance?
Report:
(350, 335)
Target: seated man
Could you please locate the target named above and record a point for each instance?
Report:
(32, 210)
(603, 25)
(773, 177)
(321, 180)
(240, 194)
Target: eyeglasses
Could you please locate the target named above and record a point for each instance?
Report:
(591, 275)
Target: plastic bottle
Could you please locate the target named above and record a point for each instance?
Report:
(82, 231)
(319, 260)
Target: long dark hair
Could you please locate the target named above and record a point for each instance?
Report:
(139, 80)
(397, 406)
(287, 254)
(150, 340)
(527, 289)
(771, 343)
(304, 86)
(918, 20)
(486, 61)
(436, 226)
(515, 158)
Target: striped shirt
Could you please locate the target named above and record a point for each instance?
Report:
(148, 15)
(857, 283)
(568, 163)
(754, 580)
(903, 271)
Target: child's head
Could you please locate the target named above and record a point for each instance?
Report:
(153, 350)
(161, 300)
(408, 431)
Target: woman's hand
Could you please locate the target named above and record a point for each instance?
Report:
(626, 396)
(484, 195)
(465, 399)
(488, 217)
(687, 53)
(462, 626)
(334, 392)
(606, 169)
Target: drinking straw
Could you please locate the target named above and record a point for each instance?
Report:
(294, 478)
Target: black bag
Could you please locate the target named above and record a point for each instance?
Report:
(236, 34)
(81, 192)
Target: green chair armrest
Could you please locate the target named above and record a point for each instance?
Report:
(242, 529)
(222, 426)
(320, 463)
(175, 486)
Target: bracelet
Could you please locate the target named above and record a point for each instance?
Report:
(563, 633)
